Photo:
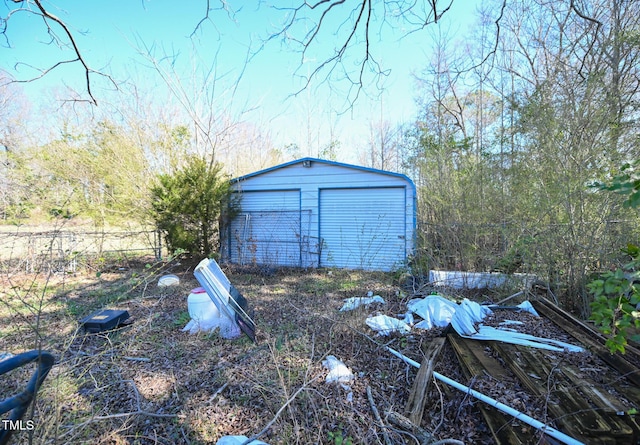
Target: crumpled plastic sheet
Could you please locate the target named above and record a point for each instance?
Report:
(355, 302)
(468, 313)
(519, 338)
(471, 312)
(338, 371)
(438, 311)
(435, 310)
(385, 325)
(528, 307)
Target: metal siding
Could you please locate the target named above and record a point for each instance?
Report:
(269, 229)
(265, 189)
(363, 228)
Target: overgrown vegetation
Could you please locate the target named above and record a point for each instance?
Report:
(151, 383)
(503, 154)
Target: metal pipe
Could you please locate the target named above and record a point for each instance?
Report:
(501, 406)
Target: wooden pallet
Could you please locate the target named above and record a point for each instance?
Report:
(592, 339)
(476, 363)
(580, 407)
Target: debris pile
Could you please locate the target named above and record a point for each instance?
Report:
(487, 338)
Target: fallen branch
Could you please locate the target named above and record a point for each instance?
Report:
(215, 394)
(376, 414)
(423, 436)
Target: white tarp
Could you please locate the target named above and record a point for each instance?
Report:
(468, 313)
(466, 317)
(435, 311)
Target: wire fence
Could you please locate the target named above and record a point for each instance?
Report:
(65, 251)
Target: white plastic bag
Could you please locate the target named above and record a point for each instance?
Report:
(338, 371)
(354, 302)
(385, 325)
(228, 329)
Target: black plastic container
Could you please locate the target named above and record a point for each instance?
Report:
(104, 320)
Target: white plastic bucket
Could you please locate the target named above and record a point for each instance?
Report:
(201, 308)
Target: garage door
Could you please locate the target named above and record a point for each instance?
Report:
(363, 228)
(268, 229)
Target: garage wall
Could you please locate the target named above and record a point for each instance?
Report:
(342, 212)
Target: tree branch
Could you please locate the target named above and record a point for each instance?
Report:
(47, 15)
(357, 41)
(69, 40)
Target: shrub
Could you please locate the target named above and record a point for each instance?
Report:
(187, 205)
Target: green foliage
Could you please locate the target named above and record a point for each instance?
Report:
(101, 173)
(617, 294)
(515, 256)
(16, 194)
(338, 438)
(627, 182)
(616, 299)
(182, 319)
(188, 205)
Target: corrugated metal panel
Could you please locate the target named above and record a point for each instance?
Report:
(363, 228)
(268, 229)
(270, 200)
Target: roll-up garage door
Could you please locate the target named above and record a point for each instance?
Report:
(268, 229)
(363, 228)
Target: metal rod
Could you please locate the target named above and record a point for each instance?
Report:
(501, 406)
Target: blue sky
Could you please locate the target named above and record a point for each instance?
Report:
(110, 34)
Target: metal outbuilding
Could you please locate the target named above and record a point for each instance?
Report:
(318, 213)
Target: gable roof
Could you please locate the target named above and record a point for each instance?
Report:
(322, 161)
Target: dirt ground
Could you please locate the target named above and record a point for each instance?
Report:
(151, 383)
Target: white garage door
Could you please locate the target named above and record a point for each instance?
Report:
(268, 229)
(363, 228)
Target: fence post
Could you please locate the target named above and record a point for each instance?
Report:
(158, 237)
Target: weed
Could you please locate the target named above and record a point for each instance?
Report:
(348, 285)
(338, 438)
(182, 319)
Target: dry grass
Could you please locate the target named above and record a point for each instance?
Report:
(151, 383)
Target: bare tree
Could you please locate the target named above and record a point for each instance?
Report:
(382, 146)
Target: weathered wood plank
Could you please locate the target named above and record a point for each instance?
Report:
(414, 409)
